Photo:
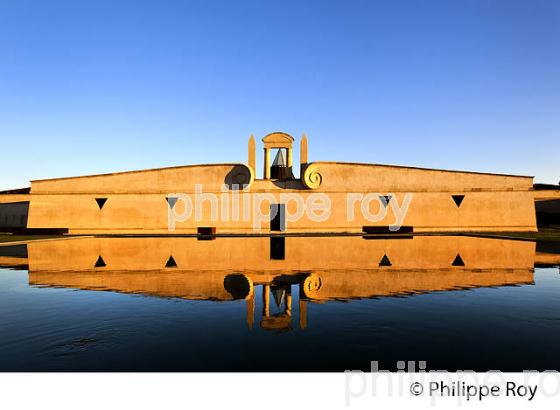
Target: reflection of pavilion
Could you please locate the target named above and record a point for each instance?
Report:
(283, 298)
(320, 268)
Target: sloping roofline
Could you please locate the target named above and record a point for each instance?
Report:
(316, 162)
(138, 171)
(422, 168)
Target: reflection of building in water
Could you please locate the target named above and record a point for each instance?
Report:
(13, 256)
(252, 255)
(315, 269)
(282, 295)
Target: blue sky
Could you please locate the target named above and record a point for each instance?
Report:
(101, 86)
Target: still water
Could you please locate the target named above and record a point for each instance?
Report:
(290, 304)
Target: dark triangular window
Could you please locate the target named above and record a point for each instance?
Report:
(458, 199)
(100, 262)
(458, 261)
(171, 263)
(385, 200)
(385, 261)
(171, 200)
(100, 202)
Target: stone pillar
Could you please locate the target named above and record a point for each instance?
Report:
(289, 158)
(303, 154)
(302, 314)
(251, 161)
(266, 163)
(251, 310)
(289, 301)
(266, 300)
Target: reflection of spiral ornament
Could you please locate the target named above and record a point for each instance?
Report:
(311, 285)
(312, 179)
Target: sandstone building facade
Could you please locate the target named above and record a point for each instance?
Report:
(138, 202)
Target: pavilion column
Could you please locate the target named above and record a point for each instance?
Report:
(289, 301)
(251, 154)
(302, 314)
(289, 159)
(266, 163)
(251, 310)
(266, 300)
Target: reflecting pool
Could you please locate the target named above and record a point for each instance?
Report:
(278, 304)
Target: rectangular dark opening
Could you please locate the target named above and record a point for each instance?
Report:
(278, 248)
(14, 251)
(14, 215)
(383, 232)
(37, 231)
(385, 229)
(548, 212)
(278, 214)
(206, 233)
